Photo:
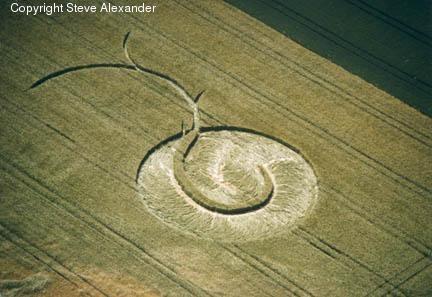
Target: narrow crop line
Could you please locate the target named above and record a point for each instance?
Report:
(395, 277)
(317, 246)
(408, 278)
(67, 70)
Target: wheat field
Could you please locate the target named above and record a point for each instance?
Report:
(76, 221)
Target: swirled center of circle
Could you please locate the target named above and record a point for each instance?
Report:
(232, 185)
(224, 187)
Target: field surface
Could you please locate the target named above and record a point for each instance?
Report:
(73, 222)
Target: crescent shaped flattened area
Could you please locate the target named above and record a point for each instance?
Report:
(235, 185)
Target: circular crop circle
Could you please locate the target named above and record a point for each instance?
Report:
(230, 184)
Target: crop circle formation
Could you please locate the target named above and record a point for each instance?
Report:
(222, 183)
